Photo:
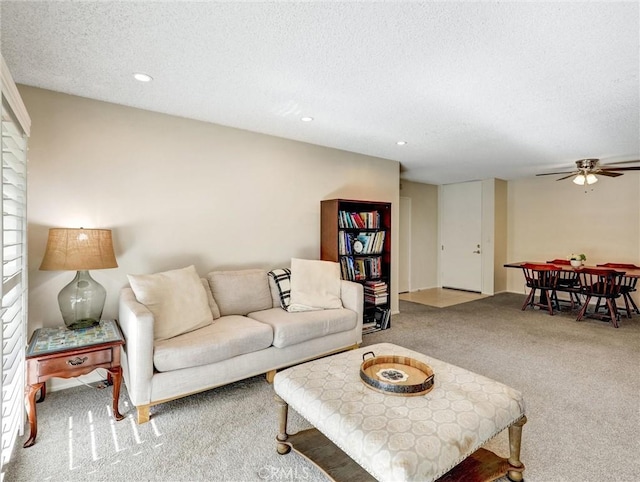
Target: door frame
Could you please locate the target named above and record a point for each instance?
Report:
(404, 245)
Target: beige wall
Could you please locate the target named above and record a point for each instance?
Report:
(424, 233)
(550, 219)
(177, 192)
(539, 219)
(500, 235)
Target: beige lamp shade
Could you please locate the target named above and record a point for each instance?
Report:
(78, 249)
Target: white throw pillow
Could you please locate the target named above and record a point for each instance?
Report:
(315, 285)
(177, 300)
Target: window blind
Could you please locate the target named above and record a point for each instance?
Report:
(13, 295)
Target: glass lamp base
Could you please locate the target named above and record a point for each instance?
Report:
(79, 324)
(82, 301)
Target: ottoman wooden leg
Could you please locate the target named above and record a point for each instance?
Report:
(282, 430)
(515, 439)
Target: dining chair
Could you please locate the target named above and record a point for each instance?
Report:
(603, 284)
(543, 277)
(627, 287)
(567, 283)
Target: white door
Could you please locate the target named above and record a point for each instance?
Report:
(404, 269)
(461, 225)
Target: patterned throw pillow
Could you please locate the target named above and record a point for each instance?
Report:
(282, 278)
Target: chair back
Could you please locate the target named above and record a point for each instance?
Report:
(543, 276)
(602, 282)
(628, 284)
(566, 278)
(619, 265)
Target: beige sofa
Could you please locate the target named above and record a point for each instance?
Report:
(250, 334)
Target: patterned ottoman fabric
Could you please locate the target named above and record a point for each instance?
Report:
(400, 438)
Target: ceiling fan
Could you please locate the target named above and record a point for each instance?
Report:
(588, 168)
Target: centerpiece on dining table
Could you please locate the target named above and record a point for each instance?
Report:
(577, 260)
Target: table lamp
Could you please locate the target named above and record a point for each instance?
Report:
(81, 301)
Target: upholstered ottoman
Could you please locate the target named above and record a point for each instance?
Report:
(399, 438)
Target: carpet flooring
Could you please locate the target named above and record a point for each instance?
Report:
(580, 381)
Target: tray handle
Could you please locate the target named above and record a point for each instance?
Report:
(429, 379)
(368, 353)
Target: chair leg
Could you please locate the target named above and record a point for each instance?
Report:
(597, 308)
(530, 298)
(550, 300)
(613, 312)
(583, 310)
(633, 303)
(630, 304)
(575, 300)
(626, 305)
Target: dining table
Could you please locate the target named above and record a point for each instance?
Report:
(628, 272)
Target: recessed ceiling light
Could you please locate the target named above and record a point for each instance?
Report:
(402, 143)
(306, 119)
(142, 77)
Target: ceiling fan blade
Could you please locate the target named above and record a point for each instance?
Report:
(556, 173)
(602, 172)
(637, 168)
(567, 177)
(622, 162)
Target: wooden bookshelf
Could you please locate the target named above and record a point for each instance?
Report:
(357, 234)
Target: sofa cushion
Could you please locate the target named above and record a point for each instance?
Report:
(176, 298)
(315, 285)
(240, 292)
(291, 328)
(281, 279)
(228, 337)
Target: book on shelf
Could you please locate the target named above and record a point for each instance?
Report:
(376, 300)
(371, 242)
(375, 285)
(372, 287)
(359, 220)
(382, 318)
(361, 268)
(386, 324)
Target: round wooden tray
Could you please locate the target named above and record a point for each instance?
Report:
(396, 375)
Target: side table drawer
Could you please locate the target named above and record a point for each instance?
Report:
(70, 362)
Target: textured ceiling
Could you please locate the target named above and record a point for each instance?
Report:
(477, 90)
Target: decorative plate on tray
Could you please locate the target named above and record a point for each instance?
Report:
(396, 375)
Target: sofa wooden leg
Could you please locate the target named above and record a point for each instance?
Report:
(143, 414)
(271, 375)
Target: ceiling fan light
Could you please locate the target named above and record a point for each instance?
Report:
(591, 179)
(580, 179)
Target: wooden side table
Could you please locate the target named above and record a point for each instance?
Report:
(64, 353)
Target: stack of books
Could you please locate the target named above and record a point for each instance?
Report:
(376, 292)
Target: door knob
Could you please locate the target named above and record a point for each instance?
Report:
(477, 251)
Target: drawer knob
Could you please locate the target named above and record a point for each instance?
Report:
(77, 361)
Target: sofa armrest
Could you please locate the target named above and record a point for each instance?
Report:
(352, 296)
(136, 322)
